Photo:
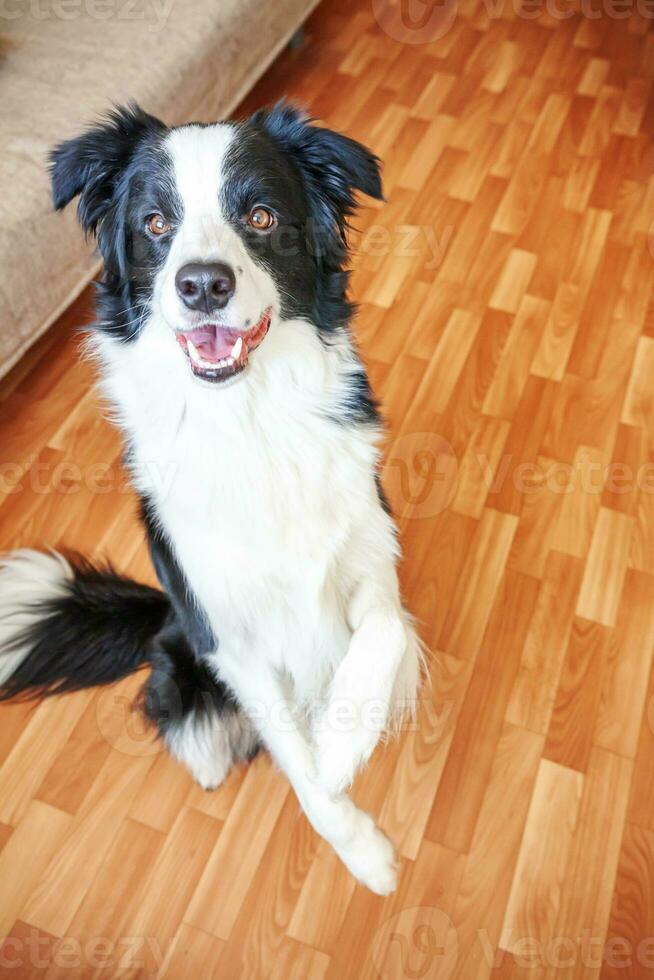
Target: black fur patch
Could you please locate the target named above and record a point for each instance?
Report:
(308, 176)
(187, 610)
(108, 626)
(122, 174)
(96, 634)
(181, 684)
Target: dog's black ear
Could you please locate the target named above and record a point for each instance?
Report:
(334, 166)
(91, 164)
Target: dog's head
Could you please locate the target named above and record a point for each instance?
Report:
(218, 231)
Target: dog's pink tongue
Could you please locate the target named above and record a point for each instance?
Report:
(212, 343)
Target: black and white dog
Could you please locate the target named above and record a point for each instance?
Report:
(252, 439)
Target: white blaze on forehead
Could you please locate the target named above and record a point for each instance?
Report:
(198, 156)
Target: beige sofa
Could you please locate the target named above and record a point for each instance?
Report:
(62, 62)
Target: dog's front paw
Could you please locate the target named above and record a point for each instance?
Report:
(340, 754)
(370, 857)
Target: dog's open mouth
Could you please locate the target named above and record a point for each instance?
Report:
(217, 353)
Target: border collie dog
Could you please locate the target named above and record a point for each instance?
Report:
(251, 435)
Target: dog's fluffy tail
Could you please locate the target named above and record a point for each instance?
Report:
(66, 624)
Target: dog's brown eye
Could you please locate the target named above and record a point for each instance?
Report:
(157, 224)
(261, 219)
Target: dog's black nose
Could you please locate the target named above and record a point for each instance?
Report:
(205, 286)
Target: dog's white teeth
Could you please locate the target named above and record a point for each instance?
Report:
(224, 362)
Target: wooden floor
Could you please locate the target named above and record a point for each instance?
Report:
(508, 323)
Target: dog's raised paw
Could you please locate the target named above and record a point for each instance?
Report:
(371, 858)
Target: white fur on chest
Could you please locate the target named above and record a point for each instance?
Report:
(258, 491)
